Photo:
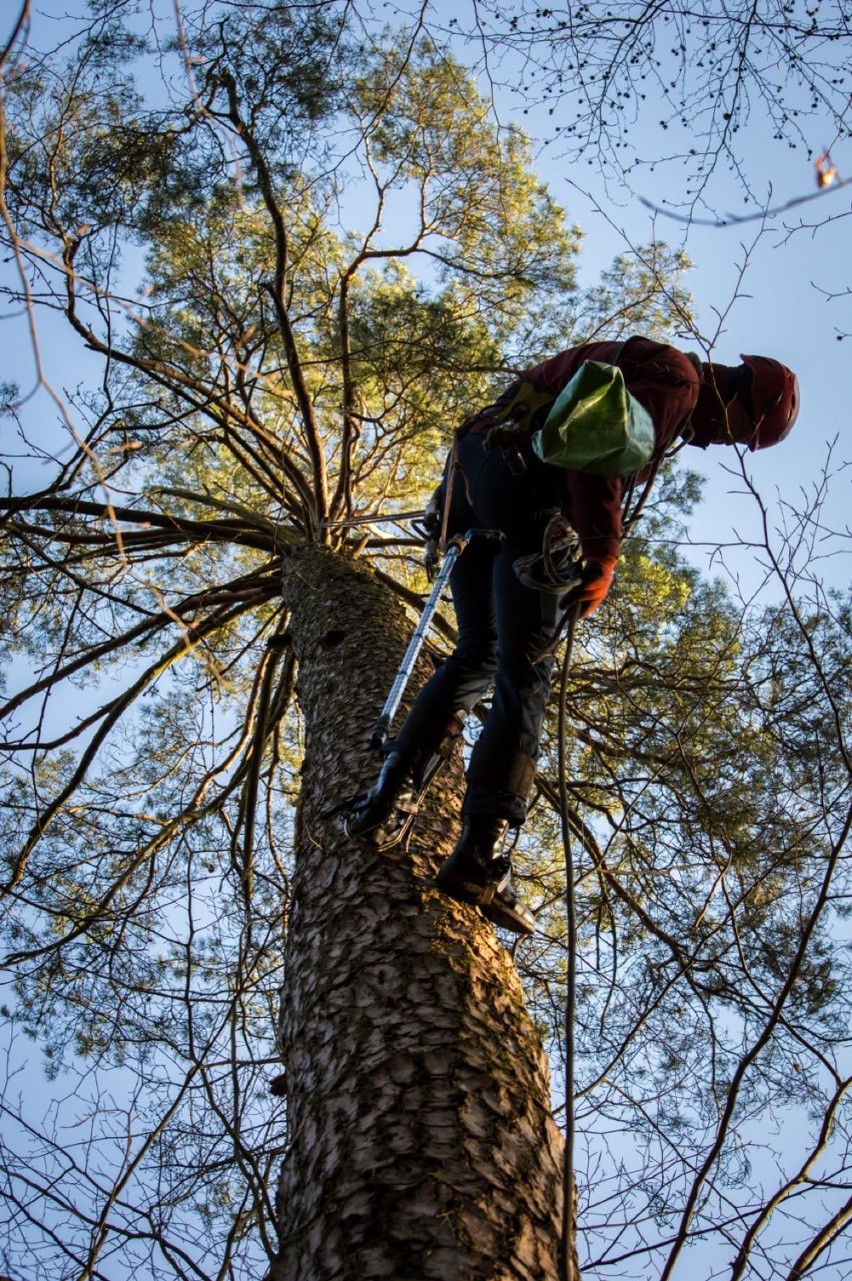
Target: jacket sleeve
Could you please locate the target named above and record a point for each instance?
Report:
(594, 509)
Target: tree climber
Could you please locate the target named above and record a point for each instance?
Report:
(504, 623)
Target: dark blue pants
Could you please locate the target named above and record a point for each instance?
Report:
(502, 626)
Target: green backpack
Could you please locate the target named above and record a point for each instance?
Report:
(596, 425)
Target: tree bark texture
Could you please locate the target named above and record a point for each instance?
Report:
(421, 1142)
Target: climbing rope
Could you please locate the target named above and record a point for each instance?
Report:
(567, 1244)
(568, 1270)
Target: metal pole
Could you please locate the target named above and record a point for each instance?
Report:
(456, 546)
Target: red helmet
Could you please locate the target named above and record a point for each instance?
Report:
(753, 404)
(774, 400)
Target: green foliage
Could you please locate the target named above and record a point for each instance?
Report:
(485, 213)
(641, 291)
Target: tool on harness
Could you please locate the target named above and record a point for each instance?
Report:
(517, 414)
(558, 567)
(431, 531)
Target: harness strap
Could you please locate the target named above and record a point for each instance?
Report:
(515, 414)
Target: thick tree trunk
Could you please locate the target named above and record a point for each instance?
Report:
(421, 1143)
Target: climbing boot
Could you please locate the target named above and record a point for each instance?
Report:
(478, 872)
(384, 814)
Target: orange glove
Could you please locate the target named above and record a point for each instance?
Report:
(592, 591)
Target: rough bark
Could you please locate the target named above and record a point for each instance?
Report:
(421, 1143)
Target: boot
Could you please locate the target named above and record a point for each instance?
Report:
(478, 872)
(384, 814)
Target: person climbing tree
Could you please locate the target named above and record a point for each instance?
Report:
(495, 480)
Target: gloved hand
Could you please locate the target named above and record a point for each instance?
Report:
(592, 591)
(432, 514)
(432, 527)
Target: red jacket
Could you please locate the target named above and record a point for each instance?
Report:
(663, 380)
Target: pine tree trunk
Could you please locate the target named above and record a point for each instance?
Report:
(421, 1143)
